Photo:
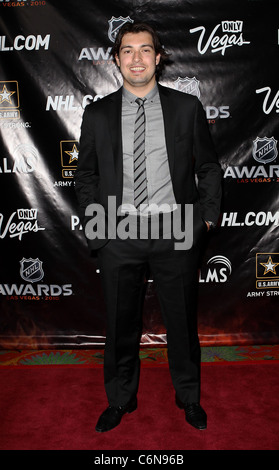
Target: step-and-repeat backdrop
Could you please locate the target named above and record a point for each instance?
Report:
(55, 59)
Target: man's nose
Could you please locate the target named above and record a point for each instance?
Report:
(137, 56)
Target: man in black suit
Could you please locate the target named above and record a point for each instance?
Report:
(179, 172)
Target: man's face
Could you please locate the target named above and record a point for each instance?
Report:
(137, 61)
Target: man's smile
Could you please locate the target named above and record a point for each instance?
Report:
(137, 68)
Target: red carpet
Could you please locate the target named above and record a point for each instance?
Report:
(56, 408)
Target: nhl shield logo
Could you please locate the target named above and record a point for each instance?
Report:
(265, 149)
(31, 269)
(188, 85)
(115, 24)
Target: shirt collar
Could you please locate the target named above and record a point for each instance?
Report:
(150, 97)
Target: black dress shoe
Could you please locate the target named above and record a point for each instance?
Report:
(194, 414)
(112, 416)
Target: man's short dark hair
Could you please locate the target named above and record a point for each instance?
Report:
(140, 28)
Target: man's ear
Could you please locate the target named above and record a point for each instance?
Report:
(117, 60)
(158, 57)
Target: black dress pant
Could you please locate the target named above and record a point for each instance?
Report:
(123, 266)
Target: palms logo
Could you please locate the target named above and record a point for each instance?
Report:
(219, 268)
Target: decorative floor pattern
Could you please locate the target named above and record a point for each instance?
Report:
(149, 356)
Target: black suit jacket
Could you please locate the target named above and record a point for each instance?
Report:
(194, 169)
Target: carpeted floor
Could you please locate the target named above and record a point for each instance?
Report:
(149, 356)
(56, 408)
(51, 400)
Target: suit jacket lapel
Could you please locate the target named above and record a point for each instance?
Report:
(169, 123)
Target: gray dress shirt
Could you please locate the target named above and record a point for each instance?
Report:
(159, 185)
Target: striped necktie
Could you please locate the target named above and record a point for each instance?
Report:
(140, 182)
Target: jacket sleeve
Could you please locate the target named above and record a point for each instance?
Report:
(207, 168)
(87, 172)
